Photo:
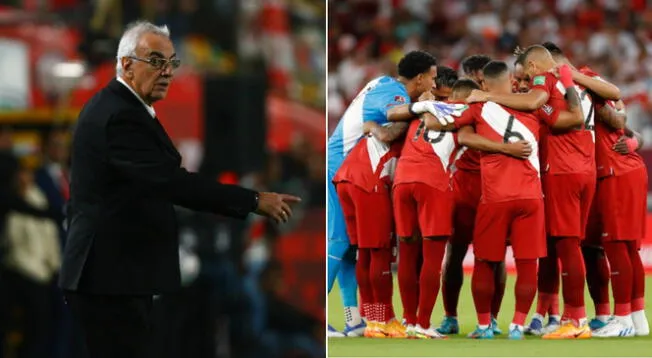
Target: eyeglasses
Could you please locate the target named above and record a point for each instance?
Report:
(159, 63)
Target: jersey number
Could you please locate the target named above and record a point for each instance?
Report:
(588, 125)
(509, 133)
(426, 137)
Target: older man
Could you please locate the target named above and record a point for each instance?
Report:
(122, 245)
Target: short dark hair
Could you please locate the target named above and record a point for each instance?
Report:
(464, 84)
(552, 48)
(414, 63)
(495, 69)
(446, 77)
(474, 63)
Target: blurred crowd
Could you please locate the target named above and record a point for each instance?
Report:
(231, 304)
(614, 37)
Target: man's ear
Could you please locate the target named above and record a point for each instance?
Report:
(126, 64)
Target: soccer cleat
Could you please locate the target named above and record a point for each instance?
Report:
(596, 324)
(569, 331)
(429, 333)
(394, 329)
(640, 323)
(411, 332)
(494, 326)
(515, 334)
(535, 328)
(615, 328)
(355, 331)
(333, 333)
(449, 326)
(482, 333)
(553, 325)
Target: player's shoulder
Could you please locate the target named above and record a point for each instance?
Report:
(588, 71)
(544, 79)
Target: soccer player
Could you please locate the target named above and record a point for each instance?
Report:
(416, 71)
(466, 194)
(568, 180)
(446, 78)
(510, 204)
(423, 204)
(363, 185)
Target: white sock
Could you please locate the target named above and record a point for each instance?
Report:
(352, 316)
(626, 320)
(602, 318)
(582, 321)
(483, 326)
(537, 316)
(640, 323)
(514, 325)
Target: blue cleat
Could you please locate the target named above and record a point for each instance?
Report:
(535, 328)
(333, 333)
(355, 331)
(449, 326)
(494, 326)
(516, 334)
(486, 333)
(596, 324)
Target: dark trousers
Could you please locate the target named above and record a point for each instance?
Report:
(113, 326)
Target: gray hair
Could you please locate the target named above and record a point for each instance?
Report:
(131, 36)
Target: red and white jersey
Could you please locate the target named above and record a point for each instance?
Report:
(608, 161)
(426, 156)
(370, 163)
(467, 159)
(506, 178)
(570, 151)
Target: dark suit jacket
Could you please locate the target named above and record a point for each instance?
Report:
(125, 179)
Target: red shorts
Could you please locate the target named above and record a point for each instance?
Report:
(467, 189)
(593, 231)
(623, 205)
(368, 216)
(568, 200)
(420, 206)
(522, 220)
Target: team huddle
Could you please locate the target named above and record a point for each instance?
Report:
(538, 158)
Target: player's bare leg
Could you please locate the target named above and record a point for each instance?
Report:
(452, 280)
(638, 294)
(573, 280)
(408, 279)
(622, 276)
(597, 280)
(429, 283)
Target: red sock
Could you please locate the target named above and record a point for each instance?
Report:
(573, 276)
(362, 274)
(408, 259)
(638, 282)
(597, 279)
(500, 275)
(482, 288)
(429, 280)
(381, 278)
(453, 278)
(621, 276)
(525, 288)
(548, 280)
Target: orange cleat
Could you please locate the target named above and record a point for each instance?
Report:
(569, 331)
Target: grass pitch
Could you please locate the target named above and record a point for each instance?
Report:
(459, 346)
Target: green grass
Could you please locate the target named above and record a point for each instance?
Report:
(500, 347)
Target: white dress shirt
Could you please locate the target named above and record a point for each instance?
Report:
(149, 108)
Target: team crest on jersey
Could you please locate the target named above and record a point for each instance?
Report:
(399, 99)
(539, 80)
(547, 109)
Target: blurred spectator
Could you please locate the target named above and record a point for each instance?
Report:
(32, 258)
(613, 37)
